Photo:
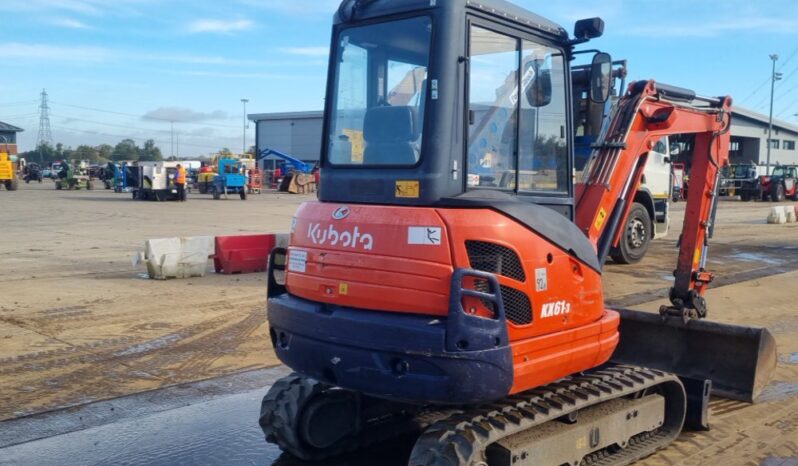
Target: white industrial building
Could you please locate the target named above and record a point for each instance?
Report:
(749, 139)
(299, 134)
(296, 133)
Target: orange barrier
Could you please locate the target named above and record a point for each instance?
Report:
(255, 181)
(242, 254)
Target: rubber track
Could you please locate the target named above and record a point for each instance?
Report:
(282, 408)
(462, 439)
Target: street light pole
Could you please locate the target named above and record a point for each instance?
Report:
(774, 77)
(246, 124)
(172, 142)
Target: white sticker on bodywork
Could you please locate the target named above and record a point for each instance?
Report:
(541, 280)
(424, 235)
(297, 261)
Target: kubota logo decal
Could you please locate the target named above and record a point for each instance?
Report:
(555, 309)
(341, 212)
(332, 237)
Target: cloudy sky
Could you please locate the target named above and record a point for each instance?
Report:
(126, 68)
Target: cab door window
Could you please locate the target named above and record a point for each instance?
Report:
(492, 109)
(516, 115)
(543, 148)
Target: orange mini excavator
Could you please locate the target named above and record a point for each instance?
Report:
(448, 280)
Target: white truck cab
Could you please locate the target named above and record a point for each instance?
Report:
(648, 217)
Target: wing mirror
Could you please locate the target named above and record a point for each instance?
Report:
(589, 28)
(537, 83)
(600, 77)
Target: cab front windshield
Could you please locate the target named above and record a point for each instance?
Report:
(379, 91)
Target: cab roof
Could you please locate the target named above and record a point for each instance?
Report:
(368, 9)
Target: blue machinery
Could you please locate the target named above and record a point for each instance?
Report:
(295, 163)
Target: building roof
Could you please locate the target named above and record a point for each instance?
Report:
(285, 116)
(5, 127)
(752, 115)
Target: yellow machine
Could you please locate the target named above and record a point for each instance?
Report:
(8, 172)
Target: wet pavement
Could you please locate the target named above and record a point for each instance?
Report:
(222, 430)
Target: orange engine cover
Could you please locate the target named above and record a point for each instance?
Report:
(401, 259)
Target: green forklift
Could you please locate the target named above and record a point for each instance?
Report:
(73, 176)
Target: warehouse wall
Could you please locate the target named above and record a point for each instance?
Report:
(299, 137)
(753, 136)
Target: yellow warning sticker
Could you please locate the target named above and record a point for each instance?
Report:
(408, 189)
(343, 288)
(358, 144)
(602, 215)
(697, 257)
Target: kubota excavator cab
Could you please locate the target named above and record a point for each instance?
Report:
(450, 259)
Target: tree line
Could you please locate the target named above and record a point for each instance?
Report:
(126, 149)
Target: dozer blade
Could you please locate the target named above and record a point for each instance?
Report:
(739, 360)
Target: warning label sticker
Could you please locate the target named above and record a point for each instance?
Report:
(408, 189)
(424, 235)
(297, 261)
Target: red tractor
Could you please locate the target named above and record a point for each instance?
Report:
(779, 185)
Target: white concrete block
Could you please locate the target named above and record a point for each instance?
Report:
(777, 215)
(789, 213)
(182, 257)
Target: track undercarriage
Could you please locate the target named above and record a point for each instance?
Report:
(613, 415)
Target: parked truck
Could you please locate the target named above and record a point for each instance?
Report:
(153, 181)
(8, 171)
(739, 179)
(781, 184)
(230, 178)
(648, 217)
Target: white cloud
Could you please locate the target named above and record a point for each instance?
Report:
(183, 114)
(296, 7)
(196, 59)
(235, 75)
(70, 23)
(32, 52)
(717, 27)
(219, 26)
(82, 7)
(45, 52)
(307, 51)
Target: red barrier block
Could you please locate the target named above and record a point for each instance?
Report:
(242, 254)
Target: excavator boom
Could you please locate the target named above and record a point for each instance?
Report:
(740, 360)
